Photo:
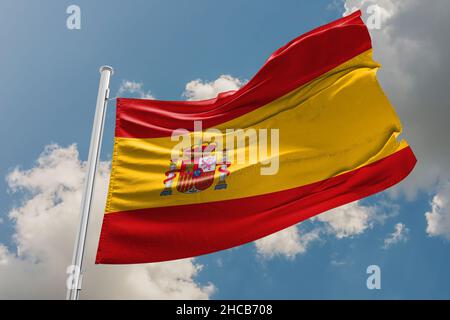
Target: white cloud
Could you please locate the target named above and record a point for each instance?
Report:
(387, 7)
(45, 225)
(288, 243)
(135, 89)
(400, 234)
(349, 220)
(201, 90)
(438, 219)
(346, 221)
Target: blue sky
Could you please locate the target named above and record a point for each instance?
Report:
(49, 81)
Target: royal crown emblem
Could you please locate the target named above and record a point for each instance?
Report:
(197, 170)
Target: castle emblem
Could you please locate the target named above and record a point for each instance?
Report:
(197, 170)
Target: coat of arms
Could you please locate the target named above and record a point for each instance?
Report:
(197, 170)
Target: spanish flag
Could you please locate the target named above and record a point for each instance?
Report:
(331, 135)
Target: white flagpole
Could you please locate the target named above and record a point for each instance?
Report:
(75, 270)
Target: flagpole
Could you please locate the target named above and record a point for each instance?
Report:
(75, 270)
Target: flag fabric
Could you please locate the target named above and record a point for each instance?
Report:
(338, 142)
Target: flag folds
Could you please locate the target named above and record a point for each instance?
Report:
(317, 98)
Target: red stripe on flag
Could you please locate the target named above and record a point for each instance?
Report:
(291, 66)
(168, 233)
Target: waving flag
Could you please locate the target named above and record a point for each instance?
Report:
(336, 143)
